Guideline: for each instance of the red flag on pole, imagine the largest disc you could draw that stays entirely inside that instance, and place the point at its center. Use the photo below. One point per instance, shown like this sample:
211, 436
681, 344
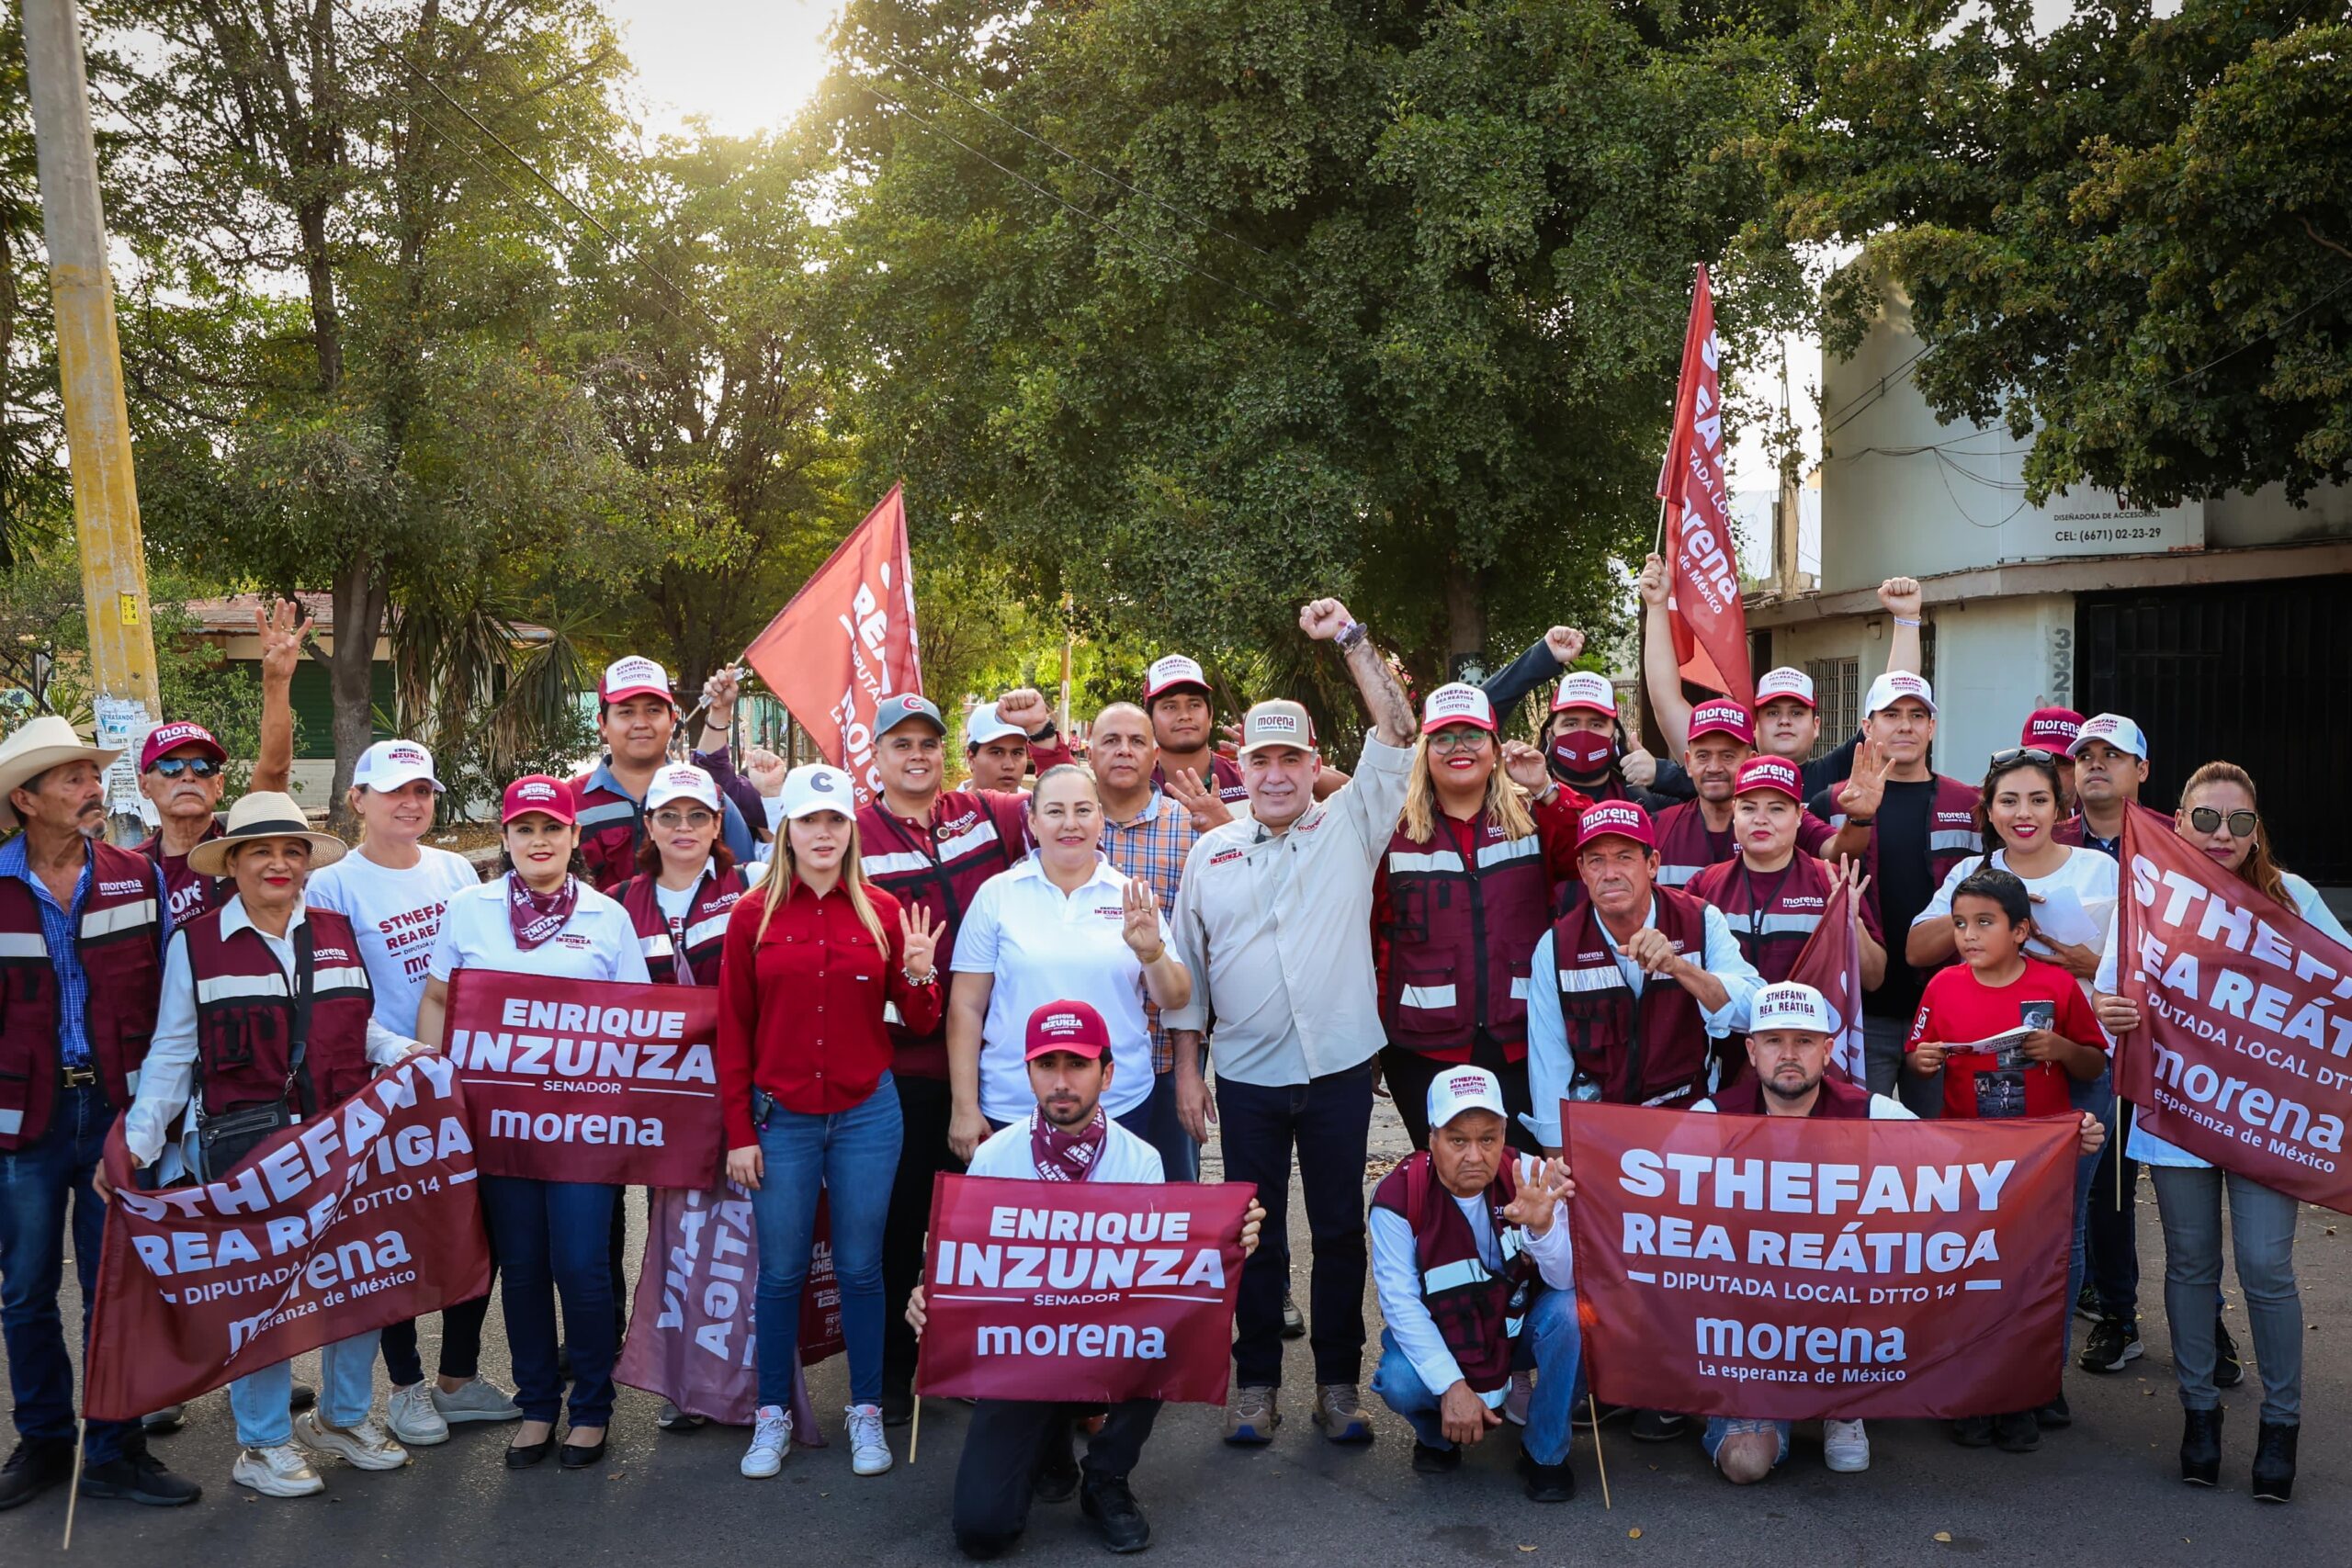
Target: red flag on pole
846, 641
1701, 547
1831, 963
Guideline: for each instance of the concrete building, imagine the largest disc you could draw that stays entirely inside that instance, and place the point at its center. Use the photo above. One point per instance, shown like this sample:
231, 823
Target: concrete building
2208, 623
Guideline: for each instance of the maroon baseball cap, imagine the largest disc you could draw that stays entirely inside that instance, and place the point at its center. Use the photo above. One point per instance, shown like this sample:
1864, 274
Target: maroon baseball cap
2051, 729
1771, 772
1068, 1026
1721, 715
166, 739
1622, 818
537, 791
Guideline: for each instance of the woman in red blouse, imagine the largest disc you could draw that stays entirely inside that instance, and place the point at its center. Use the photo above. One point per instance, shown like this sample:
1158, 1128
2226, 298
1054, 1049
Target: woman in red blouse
804, 1075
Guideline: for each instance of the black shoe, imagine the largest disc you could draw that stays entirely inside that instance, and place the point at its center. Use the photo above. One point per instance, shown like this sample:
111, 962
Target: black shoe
138, 1477
897, 1404
2274, 1463
2228, 1370
1590, 1413
1547, 1483
522, 1456
2086, 1304
2200, 1446
38, 1464
2017, 1432
303, 1397
1057, 1478
579, 1456
2054, 1415
1973, 1431
1657, 1426
1106, 1500
1294, 1322
1428, 1460
984, 1548
2113, 1345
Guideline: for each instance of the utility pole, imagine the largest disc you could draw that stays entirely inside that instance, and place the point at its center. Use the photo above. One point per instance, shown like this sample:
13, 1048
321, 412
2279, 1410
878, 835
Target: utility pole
98, 424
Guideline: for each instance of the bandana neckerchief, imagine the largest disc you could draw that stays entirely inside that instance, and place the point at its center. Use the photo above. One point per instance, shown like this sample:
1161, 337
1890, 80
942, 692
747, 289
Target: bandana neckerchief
535, 917
1067, 1156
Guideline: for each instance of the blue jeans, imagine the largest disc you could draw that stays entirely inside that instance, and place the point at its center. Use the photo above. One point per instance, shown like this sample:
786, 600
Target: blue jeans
851, 1157
1179, 1158
38, 1183
346, 1393
1550, 1341
552, 1236
1722, 1426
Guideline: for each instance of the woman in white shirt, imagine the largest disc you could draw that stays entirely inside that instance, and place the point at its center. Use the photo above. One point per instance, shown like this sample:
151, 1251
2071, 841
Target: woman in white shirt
393, 888
541, 918
231, 1070
2073, 889
2219, 815
1064, 923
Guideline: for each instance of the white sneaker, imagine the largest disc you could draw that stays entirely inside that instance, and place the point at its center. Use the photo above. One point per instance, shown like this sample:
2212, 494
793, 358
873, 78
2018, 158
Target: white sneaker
475, 1401
365, 1446
771, 1441
410, 1413
869, 1451
279, 1470
1846, 1447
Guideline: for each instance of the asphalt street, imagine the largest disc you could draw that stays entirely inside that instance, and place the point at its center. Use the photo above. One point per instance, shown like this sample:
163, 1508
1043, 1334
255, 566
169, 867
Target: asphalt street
2105, 1491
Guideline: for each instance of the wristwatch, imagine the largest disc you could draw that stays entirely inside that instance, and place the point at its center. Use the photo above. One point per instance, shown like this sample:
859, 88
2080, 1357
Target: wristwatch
1350, 634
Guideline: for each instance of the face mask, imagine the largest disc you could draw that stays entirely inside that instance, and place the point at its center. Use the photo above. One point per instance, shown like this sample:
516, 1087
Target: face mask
1583, 752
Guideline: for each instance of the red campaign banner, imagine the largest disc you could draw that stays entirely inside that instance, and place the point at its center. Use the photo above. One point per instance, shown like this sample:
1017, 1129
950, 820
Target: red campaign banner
691, 1334
365, 1216
1701, 545
1831, 963
2241, 1054
846, 641
1797, 1269
1081, 1291
589, 1081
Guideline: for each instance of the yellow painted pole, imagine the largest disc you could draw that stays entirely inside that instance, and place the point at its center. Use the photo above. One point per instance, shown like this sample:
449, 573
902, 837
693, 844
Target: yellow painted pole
98, 424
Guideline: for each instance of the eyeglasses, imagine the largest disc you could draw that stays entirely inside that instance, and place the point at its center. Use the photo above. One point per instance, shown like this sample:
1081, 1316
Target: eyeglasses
683, 819
195, 767
1458, 737
2205, 819
2025, 754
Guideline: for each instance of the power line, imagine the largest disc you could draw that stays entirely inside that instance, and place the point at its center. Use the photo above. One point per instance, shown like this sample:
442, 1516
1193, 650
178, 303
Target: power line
1885, 383
2270, 337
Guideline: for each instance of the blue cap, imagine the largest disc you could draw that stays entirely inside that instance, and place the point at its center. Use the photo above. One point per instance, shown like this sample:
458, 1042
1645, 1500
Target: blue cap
895, 711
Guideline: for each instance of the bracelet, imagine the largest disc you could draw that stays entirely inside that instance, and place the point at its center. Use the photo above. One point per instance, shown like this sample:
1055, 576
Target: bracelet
925, 978
1906, 621
1350, 634
1859, 821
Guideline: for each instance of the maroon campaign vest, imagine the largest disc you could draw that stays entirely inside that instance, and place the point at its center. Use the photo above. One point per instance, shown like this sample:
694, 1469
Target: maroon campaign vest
1477, 1313
244, 1015
974, 835
608, 824
1951, 838
1772, 916
1224, 775
122, 947
1837, 1100
1460, 937
1685, 848
706, 925
190, 893
1650, 1050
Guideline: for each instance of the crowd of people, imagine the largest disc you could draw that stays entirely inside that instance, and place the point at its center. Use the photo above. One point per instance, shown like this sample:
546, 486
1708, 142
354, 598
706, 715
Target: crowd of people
1087, 967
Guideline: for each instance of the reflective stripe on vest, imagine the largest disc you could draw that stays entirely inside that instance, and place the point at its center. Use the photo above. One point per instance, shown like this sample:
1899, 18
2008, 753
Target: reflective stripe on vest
96, 924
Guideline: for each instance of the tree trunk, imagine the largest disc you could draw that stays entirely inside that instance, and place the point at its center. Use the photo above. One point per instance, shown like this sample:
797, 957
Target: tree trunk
359, 601
1466, 623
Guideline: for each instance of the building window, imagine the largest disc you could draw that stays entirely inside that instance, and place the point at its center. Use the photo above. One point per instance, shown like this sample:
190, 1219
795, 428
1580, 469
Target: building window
1836, 699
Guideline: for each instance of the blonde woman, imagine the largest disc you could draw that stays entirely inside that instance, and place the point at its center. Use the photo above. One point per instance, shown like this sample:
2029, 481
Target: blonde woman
812, 963
1463, 892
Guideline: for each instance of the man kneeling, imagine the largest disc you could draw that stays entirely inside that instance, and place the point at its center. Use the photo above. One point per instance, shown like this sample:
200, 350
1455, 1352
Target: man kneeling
1471, 1257
1017, 1449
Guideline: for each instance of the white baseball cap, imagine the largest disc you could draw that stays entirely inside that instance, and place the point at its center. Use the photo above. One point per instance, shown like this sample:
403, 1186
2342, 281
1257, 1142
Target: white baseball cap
1785, 681
681, 781
1583, 689
982, 725
1458, 703
2113, 728
634, 676
1792, 1004
1169, 672
1458, 1089
1893, 686
388, 764
819, 786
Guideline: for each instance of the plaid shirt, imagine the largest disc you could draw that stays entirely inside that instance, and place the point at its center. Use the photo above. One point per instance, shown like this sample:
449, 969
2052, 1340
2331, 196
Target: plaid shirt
1153, 847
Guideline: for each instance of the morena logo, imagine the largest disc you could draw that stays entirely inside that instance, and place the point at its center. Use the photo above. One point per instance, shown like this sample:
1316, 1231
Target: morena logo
1276, 723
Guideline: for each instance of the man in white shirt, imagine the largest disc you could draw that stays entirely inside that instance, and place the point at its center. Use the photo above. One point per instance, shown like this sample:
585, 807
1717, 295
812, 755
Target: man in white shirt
1471, 1256
1274, 922
1018, 1450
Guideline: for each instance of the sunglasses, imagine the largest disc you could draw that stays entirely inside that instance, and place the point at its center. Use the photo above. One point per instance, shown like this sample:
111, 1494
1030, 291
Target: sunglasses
2205, 819
195, 767
683, 819
2025, 754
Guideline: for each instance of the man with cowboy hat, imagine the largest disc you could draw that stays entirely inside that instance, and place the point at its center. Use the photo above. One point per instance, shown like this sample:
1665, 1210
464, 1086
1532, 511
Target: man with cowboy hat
81, 930
291, 1030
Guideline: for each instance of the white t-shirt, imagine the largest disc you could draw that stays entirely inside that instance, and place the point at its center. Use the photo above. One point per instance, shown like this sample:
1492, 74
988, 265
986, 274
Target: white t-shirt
1124, 1156
2077, 899
676, 903
396, 915
599, 943
1042, 946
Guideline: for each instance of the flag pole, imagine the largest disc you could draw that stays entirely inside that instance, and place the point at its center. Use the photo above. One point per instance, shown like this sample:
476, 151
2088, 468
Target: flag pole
1592, 1408
914, 1437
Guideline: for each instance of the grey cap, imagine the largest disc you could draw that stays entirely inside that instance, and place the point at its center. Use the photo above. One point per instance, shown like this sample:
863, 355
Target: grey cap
895, 711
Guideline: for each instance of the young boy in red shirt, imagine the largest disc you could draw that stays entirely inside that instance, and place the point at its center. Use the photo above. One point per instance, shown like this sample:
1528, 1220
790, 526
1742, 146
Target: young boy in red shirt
2034, 1033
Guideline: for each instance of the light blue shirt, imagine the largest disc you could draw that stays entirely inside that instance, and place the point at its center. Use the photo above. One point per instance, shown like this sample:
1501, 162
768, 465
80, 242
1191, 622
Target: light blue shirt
58, 930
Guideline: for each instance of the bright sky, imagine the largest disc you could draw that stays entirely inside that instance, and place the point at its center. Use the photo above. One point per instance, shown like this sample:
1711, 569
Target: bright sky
744, 64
